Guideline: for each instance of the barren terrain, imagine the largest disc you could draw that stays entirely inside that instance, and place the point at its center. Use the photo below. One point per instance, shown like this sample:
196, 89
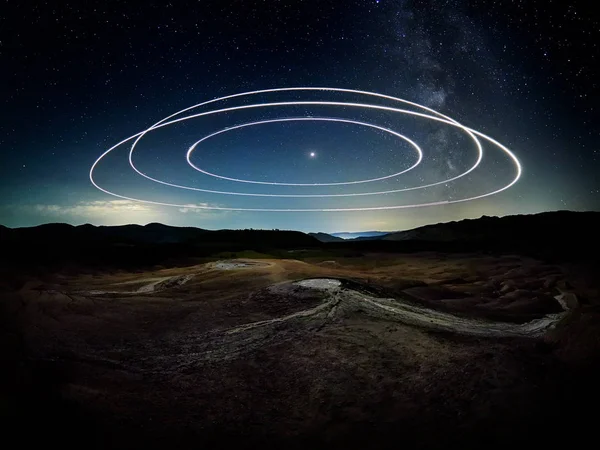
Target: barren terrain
423, 350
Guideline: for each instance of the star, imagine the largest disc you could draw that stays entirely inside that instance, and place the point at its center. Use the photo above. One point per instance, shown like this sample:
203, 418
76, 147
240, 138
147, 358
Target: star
312, 154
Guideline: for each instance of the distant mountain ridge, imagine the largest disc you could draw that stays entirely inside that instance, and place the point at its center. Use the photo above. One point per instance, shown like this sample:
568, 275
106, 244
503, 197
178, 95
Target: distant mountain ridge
134, 245
564, 233
152, 233
483, 228
347, 235
324, 237
557, 225
553, 235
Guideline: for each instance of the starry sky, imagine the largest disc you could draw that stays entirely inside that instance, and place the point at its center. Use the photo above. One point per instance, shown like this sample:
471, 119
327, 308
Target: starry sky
79, 77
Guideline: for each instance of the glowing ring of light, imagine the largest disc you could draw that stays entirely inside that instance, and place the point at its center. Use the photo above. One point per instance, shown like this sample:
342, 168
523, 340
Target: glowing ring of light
441, 118
162, 123
292, 119
325, 119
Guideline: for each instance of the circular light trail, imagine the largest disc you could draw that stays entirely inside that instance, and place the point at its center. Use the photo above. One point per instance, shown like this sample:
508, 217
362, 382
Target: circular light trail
262, 105
311, 154
473, 134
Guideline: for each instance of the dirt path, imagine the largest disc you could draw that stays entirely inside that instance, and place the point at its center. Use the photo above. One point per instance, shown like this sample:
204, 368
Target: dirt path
218, 335
150, 285
339, 302
343, 299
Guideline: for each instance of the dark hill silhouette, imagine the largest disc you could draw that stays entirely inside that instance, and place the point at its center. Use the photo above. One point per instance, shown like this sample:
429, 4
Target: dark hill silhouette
132, 245
554, 227
154, 233
324, 237
550, 235
350, 235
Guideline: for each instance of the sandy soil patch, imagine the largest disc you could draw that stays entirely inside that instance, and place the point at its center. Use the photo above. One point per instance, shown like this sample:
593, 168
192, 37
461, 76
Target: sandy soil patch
237, 264
148, 285
320, 283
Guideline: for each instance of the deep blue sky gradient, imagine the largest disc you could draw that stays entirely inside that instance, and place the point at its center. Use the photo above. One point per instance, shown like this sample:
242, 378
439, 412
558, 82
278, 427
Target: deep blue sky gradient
80, 76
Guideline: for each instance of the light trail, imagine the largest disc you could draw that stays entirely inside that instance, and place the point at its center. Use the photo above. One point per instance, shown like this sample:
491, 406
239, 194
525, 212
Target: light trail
439, 118
192, 148
318, 119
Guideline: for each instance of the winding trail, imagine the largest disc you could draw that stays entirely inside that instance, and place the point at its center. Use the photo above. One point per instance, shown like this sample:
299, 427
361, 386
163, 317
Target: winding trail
154, 285
344, 299
340, 302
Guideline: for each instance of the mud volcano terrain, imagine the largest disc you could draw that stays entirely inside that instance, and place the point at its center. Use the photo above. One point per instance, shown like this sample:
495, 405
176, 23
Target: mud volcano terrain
308, 350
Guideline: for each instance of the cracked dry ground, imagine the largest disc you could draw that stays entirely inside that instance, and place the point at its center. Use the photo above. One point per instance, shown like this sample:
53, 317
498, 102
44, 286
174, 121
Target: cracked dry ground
247, 358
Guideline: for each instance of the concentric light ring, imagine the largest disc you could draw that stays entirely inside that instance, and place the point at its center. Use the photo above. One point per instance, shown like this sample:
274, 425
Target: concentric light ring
439, 118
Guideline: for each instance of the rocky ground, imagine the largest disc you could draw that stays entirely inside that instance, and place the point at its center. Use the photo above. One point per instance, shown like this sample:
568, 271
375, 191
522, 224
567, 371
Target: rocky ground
425, 350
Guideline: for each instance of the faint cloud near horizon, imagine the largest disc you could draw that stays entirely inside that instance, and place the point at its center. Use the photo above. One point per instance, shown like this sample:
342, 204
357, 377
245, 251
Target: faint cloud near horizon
108, 212
201, 208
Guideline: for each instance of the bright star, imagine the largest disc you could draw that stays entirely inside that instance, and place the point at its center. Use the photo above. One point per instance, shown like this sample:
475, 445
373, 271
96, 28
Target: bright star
312, 154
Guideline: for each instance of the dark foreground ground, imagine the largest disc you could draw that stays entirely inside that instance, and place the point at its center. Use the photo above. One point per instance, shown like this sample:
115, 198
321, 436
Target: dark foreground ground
233, 354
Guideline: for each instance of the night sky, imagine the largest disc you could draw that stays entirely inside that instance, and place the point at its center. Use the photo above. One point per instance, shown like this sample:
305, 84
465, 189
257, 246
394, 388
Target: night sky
79, 77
